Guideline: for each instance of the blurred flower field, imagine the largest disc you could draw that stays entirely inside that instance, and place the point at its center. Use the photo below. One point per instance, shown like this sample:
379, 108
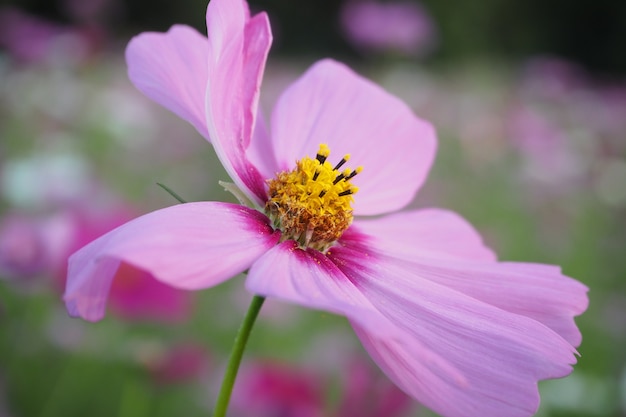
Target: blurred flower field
533, 156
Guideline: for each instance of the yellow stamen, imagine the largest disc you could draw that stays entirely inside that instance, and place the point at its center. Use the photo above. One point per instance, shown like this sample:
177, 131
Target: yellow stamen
343, 161
312, 203
323, 153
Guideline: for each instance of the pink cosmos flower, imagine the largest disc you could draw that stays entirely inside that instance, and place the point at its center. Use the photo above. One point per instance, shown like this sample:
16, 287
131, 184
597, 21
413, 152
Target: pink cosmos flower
459, 331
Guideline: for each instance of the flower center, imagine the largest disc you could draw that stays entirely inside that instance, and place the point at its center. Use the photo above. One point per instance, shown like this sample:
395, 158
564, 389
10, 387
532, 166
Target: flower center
312, 203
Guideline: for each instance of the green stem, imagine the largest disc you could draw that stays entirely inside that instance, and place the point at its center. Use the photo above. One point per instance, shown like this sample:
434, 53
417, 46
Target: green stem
172, 193
235, 356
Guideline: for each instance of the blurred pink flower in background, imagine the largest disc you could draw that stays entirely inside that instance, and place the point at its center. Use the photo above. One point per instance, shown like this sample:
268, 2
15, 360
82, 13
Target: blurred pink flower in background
366, 393
274, 389
545, 146
610, 120
459, 331
269, 389
136, 295
552, 77
567, 125
33, 39
32, 246
39, 245
92, 11
181, 363
401, 26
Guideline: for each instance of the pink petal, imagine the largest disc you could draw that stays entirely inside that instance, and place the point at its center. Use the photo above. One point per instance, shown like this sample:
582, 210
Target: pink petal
441, 247
171, 69
538, 291
189, 246
331, 104
309, 278
238, 48
259, 152
427, 233
495, 357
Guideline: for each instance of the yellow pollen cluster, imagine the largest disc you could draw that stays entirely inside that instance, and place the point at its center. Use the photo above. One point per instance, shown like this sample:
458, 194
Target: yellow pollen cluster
312, 203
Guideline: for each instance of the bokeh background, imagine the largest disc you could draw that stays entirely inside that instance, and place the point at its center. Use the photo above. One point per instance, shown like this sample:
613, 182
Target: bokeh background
529, 101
